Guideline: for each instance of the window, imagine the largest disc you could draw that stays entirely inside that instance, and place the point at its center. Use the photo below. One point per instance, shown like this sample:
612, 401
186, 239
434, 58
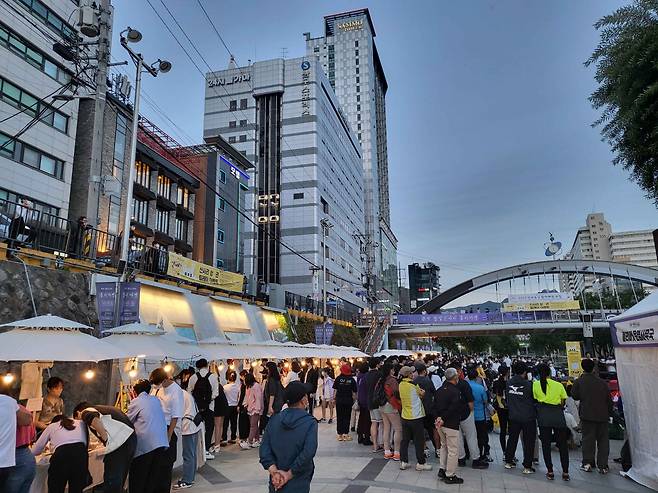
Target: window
140, 211
358, 127
164, 186
162, 221
357, 70
358, 117
219, 263
356, 52
356, 43
7, 146
243, 104
331, 48
233, 105
143, 174
359, 136
220, 235
316, 49
183, 197
231, 124
221, 204
357, 61
358, 80
33, 157
243, 138
49, 18
119, 146
30, 105
113, 215
297, 196
358, 98
243, 123
244, 153
222, 176
231, 139
31, 54
325, 206
181, 229
41, 207
358, 107
358, 88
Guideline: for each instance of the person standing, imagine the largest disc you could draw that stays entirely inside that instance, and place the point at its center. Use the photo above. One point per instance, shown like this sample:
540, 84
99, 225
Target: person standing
254, 405
243, 417
69, 463
173, 404
371, 379
412, 415
522, 417
116, 432
390, 412
146, 414
12, 419
190, 436
290, 442
424, 382
595, 410
345, 388
232, 391
52, 405
328, 394
23, 473
311, 378
204, 387
273, 394
550, 396
499, 387
467, 424
480, 404
448, 408
363, 425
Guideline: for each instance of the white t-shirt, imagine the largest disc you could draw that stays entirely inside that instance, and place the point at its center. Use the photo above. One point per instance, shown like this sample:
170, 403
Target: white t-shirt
232, 391
173, 402
188, 427
8, 408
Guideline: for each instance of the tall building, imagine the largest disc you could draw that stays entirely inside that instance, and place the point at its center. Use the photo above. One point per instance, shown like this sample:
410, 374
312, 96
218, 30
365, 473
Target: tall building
634, 247
284, 117
423, 283
37, 165
348, 55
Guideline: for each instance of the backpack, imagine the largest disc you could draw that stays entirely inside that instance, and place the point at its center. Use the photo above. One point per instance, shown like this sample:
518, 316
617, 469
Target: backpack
379, 397
202, 392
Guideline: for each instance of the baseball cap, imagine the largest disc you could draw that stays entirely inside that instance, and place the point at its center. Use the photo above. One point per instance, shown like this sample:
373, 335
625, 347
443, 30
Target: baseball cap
295, 392
406, 371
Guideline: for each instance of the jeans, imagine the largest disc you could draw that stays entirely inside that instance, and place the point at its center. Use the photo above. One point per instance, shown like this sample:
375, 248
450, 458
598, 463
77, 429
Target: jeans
117, 464
449, 450
189, 457
481, 428
595, 438
529, 429
467, 427
22, 474
413, 428
546, 435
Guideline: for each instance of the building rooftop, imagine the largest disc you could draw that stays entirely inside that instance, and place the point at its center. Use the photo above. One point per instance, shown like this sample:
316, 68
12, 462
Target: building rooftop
342, 15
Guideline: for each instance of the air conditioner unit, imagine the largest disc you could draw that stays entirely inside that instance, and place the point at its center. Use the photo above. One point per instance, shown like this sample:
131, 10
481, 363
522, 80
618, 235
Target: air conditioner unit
274, 219
262, 219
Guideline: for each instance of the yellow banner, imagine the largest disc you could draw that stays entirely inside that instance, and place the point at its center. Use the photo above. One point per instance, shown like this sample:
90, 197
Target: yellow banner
542, 306
193, 271
574, 357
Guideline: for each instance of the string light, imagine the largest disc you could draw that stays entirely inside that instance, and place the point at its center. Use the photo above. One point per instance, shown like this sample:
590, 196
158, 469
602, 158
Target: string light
286, 365
316, 362
221, 367
132, 373
168, 368
89, 374
303, 362
8, 378
231, 367
254, 364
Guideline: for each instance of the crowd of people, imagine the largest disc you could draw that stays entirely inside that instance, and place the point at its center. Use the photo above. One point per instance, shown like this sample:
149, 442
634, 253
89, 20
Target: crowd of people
446, 406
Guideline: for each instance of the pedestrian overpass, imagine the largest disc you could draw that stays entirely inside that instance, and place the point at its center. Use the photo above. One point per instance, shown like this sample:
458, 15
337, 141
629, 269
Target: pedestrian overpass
488, 329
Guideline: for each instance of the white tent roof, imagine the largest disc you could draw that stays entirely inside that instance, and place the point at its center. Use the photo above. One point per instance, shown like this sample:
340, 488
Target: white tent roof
648, 305
45, 322
152, 346
396, 352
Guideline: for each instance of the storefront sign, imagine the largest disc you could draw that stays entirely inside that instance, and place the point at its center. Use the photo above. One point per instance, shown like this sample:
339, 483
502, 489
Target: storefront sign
306, 89
354, 25
638, 332
128, 310
190, 270
574, 357
542, 306
226, 81
539, 297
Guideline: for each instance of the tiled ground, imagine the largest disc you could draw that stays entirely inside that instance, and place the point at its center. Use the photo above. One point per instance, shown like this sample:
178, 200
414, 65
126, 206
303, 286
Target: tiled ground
347, 467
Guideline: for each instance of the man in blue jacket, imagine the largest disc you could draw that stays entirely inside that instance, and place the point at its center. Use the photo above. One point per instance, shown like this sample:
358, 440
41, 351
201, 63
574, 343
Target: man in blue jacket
290, 442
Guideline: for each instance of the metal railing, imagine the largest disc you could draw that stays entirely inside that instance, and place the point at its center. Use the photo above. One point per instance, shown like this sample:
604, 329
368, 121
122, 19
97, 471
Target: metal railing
347, 311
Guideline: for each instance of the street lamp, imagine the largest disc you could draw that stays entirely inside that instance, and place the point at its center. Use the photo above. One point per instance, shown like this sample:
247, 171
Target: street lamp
130, 35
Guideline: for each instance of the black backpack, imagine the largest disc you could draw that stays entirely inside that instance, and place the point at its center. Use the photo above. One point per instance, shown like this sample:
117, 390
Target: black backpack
379, 394
202, 392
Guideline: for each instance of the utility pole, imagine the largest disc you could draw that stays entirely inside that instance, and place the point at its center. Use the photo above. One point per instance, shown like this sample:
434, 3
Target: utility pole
96, 168
326, 226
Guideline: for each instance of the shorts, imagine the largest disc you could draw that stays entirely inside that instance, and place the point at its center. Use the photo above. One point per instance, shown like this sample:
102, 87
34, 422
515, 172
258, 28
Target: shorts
375, 415
388, 409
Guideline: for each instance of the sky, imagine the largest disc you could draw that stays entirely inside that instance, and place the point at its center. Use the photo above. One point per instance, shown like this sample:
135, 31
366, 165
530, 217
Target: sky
490, 142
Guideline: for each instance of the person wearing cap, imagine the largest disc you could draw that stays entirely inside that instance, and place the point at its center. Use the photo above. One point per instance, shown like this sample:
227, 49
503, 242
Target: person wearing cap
424, 382
413, 414
290, 442
448, 408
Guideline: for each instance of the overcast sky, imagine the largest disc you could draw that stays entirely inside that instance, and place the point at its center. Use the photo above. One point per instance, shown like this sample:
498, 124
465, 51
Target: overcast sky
489, 139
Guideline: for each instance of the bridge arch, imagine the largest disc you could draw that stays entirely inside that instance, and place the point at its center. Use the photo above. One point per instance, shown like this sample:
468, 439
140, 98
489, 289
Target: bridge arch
638, 273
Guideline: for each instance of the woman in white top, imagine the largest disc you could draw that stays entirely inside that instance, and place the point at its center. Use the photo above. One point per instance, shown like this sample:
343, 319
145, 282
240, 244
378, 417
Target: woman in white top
293, 374
328, 394
68, 464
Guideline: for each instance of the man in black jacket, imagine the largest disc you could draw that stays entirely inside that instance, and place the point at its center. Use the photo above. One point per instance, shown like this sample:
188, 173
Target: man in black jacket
522, 417
448, 407
595, 408
372, 377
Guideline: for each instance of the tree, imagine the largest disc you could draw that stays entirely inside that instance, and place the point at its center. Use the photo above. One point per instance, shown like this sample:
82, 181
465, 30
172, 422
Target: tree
627, 74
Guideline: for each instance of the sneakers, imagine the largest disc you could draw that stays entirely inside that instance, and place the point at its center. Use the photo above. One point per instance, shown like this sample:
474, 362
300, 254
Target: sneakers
604, 470
214, 449
423, 467
586, 467
529, 470
232, 441
182, 485
209, 456
442, 473
348, 438
340, 438
388, 454
403, 466
255, 444
509, 465
396, 456
244, 445
453, 480
478, 464
330, 421
461, 462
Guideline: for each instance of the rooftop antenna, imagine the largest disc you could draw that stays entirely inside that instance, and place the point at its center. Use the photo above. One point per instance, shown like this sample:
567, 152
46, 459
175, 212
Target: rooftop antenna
284, 53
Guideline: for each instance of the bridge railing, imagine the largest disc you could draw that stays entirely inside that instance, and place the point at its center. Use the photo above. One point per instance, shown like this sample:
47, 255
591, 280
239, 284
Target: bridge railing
498, 317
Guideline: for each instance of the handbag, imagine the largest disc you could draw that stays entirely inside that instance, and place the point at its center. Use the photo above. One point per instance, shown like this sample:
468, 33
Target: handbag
551, 416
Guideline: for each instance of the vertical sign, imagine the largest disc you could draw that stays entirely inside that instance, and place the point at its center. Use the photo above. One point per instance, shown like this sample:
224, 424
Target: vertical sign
128, 304
105, 294
306, 90
574, 357
324, 333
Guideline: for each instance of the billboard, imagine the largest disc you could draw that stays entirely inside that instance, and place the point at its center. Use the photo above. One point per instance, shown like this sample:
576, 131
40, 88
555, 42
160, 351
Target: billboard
190, 270
539, 297
542, 306
574, 357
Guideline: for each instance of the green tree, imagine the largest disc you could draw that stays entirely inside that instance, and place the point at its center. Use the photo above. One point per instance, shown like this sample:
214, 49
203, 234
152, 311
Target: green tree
627, 74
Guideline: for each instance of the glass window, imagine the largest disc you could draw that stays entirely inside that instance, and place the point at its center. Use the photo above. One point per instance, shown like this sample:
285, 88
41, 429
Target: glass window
183, 197
50, 68
10, 91
222, 176
220, 235
48, 164
233, 105
231, 124
140, 211
299, 195
243, 138
243, 104
31, 157
17, 45
40, 10
164, 186
7, 146
356, 44
316, 49
181, 229
219, 263
143, 174
232, 140
113, 215
162, 221
221, 204
60, 121
243, 123
4, 34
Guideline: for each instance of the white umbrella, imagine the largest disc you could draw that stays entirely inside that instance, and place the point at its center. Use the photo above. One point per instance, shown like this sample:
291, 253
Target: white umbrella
45, 322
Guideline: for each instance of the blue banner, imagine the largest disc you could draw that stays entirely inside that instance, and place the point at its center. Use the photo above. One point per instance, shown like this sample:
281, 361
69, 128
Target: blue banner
128, 304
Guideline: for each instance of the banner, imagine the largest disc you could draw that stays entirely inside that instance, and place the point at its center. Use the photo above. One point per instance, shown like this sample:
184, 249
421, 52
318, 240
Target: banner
636, 332
574, 357
442, 318
105, 296
190, 270
324, 334
128, 310
539, 297
542, 306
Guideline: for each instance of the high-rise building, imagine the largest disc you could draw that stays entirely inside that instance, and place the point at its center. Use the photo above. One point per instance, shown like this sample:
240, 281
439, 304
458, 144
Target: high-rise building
37, 165
348, 55
283, 115
634, 247
423, 283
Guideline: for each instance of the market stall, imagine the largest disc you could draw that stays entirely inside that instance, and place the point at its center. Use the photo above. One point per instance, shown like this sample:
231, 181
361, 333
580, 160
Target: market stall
635, 337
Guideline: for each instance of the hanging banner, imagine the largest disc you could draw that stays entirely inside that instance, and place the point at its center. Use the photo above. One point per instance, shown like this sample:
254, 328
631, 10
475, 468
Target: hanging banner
324, 333
574, 357
539, 297
105, 296
128, 303
190, 270
128, 310
542, 306
639, 331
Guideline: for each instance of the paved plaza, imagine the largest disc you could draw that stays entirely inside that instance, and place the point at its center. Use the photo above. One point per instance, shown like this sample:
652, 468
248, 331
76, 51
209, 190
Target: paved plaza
347, 467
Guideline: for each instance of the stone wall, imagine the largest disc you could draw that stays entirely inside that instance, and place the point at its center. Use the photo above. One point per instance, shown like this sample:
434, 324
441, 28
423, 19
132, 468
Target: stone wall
65, 294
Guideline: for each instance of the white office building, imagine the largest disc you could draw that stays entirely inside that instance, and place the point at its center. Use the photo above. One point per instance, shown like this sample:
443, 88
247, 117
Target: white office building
284, 117
634, 247
348, 55
38, 164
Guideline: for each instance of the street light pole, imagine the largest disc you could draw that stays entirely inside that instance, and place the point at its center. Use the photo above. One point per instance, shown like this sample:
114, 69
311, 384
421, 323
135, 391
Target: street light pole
326, 225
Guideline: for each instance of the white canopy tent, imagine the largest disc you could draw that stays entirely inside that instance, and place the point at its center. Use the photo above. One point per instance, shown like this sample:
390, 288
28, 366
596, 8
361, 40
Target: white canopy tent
148, 341
51, 338
396, 352
635, 336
